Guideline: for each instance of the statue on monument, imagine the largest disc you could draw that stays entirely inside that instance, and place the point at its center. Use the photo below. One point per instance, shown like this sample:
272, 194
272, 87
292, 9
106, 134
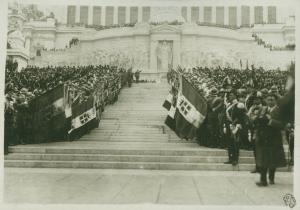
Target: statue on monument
164, 56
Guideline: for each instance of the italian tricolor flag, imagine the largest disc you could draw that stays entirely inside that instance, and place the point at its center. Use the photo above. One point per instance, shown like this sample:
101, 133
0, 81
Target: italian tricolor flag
191, 110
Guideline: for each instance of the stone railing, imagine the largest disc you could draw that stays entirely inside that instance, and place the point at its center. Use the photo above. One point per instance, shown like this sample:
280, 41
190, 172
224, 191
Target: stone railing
101, 27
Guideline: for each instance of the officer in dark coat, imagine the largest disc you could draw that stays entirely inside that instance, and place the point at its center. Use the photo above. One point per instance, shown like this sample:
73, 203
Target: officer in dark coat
268, 141
255, 107
212, 118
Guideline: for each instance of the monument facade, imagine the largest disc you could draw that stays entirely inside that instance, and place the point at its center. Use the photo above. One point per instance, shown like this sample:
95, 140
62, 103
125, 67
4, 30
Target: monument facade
155, 39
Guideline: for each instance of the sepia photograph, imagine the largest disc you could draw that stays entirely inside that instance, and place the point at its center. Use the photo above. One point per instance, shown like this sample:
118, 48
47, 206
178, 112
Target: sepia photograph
165, 102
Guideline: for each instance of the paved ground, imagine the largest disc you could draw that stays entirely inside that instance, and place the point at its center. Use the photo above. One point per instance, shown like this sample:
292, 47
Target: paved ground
93, 186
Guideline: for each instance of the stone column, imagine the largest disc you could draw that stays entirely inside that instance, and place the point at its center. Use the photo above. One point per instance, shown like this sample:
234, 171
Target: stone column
103, 15
116, 11
27, 45
140, 14
176, 53
90, 15
252, 18
65, 15
238, 16
189, 14
77, 14
127, 14
226, 16
213, 14
278, 15
150, 13
265, 14
201, 14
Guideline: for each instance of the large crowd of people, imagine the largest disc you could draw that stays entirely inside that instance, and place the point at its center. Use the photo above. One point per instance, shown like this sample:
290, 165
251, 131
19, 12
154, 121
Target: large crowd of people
244, 113
21, 88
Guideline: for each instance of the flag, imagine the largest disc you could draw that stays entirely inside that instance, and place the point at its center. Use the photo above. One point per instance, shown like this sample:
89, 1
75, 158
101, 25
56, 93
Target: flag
48, 116
83, 119
168, 102
191, 110
170, 121
82, 113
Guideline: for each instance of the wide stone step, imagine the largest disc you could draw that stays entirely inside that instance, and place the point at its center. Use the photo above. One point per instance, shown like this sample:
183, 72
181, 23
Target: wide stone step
124, 134
130, 165
126, 137
118, 139
123, 150
122, 122
124, 130
124, 158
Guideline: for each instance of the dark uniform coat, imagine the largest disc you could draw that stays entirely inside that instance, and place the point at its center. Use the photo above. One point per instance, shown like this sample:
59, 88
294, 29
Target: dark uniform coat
268, 141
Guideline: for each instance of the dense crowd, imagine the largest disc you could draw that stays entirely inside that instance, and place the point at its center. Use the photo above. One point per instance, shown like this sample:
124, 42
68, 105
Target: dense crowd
238, 110
241, 80
21, 88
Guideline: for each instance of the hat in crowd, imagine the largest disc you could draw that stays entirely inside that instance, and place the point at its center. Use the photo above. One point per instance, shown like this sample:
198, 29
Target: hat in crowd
264, 91
272, 94
226, 82
24, 90
213, 92
240, 105
274, 89
258, 94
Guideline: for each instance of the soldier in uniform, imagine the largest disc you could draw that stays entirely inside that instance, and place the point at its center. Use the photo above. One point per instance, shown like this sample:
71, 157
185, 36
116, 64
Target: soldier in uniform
230, 101
212, 119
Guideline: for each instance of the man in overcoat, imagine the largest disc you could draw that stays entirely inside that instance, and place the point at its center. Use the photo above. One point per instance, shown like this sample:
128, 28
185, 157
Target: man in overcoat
268, 141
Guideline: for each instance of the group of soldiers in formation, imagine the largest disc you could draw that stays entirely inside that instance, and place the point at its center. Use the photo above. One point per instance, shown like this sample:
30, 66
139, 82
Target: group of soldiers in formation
24, 86
243, 113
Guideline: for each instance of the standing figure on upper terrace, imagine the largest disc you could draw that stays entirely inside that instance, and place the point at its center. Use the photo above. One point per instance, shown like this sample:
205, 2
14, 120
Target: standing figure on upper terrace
164, 56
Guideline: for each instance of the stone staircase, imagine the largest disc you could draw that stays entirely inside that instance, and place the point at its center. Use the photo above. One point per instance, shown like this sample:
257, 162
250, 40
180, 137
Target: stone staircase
131, 135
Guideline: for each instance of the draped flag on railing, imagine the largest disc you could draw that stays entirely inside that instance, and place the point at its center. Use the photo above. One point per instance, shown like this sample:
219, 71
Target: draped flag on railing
191, 110
168, 102
48, 114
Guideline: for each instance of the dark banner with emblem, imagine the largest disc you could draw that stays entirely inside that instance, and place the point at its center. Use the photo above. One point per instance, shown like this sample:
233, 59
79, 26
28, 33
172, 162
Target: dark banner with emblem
48, 115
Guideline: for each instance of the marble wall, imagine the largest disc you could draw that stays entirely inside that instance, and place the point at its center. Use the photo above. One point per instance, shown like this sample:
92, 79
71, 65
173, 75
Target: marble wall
193, 46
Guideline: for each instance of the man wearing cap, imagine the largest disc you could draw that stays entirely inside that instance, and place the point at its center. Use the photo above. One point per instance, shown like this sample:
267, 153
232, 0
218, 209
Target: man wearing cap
212, 118
230, 101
